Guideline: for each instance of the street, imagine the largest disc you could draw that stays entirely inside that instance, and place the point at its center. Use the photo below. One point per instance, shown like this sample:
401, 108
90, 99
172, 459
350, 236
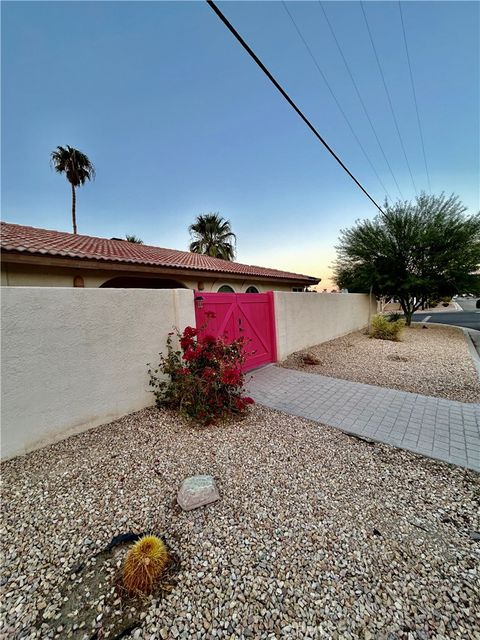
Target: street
469, 317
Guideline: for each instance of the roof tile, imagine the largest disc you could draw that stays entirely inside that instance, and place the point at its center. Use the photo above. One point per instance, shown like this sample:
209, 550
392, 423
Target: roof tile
15, 238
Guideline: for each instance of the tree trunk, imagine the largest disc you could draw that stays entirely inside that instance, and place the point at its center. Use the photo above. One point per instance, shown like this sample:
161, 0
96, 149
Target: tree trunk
407, 309
74, 207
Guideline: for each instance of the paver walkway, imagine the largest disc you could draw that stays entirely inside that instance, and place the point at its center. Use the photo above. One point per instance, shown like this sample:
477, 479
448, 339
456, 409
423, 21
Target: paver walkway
434, 427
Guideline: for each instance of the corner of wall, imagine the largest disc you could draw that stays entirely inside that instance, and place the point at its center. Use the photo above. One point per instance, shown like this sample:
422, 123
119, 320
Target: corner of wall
184, 308
279, 319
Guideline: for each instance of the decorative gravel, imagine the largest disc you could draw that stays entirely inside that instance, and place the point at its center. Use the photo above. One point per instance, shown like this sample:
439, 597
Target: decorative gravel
434, 361
316, 535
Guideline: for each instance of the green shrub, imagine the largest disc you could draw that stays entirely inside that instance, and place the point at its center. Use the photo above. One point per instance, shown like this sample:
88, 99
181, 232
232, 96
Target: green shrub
203, 379
395, 316
384, 329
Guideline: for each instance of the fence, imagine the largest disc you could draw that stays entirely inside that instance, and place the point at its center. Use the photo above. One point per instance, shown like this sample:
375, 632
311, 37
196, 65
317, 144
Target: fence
305, 319
76, 358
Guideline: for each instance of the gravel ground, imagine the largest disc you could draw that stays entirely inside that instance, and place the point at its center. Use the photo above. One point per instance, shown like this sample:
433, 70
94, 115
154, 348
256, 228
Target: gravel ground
317, 534
433, 362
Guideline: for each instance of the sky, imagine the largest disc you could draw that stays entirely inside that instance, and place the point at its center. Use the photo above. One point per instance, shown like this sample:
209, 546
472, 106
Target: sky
178, 120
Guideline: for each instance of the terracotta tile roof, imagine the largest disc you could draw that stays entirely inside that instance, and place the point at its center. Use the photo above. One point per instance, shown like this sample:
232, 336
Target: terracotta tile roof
15, 238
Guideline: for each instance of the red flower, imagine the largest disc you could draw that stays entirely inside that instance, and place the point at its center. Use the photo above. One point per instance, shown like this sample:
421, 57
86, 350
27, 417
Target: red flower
231, 375
248, 400
192, 354
240, 404
208, 373
190, 332
186, 343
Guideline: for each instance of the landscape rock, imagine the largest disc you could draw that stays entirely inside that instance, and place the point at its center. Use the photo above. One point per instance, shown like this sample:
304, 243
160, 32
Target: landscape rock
197, 491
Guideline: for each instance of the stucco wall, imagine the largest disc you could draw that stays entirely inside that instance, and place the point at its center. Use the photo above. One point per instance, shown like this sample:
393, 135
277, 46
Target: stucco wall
26, 275
306, 319
75, 358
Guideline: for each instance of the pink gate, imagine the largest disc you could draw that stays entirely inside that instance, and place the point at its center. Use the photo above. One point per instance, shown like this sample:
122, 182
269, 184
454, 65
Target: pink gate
250, 315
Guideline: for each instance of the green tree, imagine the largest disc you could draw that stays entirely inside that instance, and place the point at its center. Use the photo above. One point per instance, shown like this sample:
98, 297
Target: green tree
414, 251
77, 168
131, 237
212, 235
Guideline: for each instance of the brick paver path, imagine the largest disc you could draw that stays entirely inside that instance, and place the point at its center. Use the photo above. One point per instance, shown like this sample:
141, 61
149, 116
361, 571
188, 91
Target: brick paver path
434, 427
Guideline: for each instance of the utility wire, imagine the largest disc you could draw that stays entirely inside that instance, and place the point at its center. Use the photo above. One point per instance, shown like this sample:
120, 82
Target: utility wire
315, 61
359, 95
414, 96
388, 96
232, 29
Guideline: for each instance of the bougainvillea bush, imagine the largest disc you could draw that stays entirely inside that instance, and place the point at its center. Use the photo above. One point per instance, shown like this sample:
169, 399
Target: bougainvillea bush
204, 378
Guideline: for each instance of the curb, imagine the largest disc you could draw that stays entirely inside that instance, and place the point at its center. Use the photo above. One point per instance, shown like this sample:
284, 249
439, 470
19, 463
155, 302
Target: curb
473, 351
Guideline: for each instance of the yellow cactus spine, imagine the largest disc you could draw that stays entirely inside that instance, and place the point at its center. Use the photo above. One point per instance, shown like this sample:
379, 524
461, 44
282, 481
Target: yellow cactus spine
145, 561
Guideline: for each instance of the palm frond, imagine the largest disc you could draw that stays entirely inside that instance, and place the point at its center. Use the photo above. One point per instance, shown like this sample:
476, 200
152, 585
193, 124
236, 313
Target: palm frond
76, 165
131, 237
212, 235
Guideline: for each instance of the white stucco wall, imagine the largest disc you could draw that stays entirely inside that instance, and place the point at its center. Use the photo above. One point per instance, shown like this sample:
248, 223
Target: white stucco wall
76, 358
306, 319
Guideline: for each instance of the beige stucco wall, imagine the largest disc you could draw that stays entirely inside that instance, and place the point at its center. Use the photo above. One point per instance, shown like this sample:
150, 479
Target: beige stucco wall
26, 275
306, 319
76, 358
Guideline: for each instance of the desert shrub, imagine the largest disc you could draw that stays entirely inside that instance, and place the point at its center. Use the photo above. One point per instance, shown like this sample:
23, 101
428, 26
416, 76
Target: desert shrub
145, 562
446, 299
383, 329
204, 378
395, 316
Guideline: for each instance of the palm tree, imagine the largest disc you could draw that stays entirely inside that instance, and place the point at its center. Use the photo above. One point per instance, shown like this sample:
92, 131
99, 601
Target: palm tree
212, 235
131, 237
77, 168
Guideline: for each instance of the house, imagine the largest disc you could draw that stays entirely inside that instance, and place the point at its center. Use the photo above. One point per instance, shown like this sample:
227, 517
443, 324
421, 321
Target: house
43, 258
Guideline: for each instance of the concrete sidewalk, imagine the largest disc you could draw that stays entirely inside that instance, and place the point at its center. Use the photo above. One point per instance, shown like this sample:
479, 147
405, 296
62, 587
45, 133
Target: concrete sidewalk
434, 427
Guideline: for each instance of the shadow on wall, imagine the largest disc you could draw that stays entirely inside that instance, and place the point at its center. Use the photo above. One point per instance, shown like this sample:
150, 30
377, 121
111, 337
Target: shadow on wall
127, 282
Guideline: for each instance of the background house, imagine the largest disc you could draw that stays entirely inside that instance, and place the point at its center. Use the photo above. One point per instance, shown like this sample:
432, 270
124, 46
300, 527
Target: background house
42, 258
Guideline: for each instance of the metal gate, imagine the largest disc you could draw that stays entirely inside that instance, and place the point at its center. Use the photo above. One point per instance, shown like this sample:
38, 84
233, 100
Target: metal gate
233, 315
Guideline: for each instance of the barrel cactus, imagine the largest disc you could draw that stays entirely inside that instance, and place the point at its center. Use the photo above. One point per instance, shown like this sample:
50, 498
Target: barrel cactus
145, 561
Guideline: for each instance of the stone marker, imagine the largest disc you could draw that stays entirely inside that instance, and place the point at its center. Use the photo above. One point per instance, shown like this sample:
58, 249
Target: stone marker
197, 491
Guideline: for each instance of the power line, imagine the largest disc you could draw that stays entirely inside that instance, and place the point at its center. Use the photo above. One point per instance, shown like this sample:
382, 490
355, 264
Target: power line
315, 61
414, 96
232, 29
388, 96
359, 95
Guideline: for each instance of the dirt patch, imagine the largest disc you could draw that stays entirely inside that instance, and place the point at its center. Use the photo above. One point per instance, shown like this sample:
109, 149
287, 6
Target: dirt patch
94, 602
434, 361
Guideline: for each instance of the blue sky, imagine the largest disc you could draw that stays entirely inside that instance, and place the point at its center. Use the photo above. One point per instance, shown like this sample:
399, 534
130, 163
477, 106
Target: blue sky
178, 120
